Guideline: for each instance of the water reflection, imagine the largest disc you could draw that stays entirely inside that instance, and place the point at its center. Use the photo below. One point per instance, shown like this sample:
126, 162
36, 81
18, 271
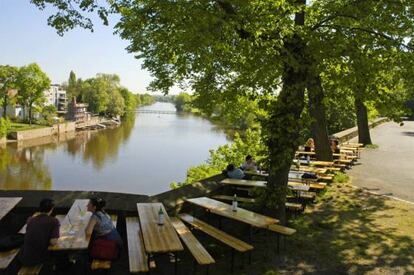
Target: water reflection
144, 155
24, 169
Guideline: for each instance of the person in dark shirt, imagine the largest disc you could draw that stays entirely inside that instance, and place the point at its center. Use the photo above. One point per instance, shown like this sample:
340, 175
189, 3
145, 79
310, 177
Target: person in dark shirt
42, 230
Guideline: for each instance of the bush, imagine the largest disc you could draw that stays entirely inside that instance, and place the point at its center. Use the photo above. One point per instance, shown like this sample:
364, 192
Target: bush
340, 177
249, 144
4, 126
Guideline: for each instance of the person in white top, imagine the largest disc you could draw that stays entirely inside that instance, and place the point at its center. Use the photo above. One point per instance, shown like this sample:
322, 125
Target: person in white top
249, 164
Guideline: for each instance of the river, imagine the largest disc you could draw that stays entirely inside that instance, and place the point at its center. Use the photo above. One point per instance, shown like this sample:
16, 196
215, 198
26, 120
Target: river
142, 156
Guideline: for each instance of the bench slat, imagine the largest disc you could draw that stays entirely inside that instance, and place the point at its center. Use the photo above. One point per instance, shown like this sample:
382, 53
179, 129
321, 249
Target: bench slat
138, 259
282, 229
7, 257
30, 270
196, 248
222, 236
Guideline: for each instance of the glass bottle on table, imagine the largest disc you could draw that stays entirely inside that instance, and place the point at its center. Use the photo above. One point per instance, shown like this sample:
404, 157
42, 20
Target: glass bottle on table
160, 217
234, 203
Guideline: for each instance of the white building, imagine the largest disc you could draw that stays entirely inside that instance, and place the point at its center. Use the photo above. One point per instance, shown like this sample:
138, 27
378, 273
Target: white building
56, 96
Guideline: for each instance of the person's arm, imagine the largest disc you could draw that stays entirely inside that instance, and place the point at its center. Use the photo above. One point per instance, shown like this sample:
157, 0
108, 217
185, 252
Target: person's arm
55, 232
90, 227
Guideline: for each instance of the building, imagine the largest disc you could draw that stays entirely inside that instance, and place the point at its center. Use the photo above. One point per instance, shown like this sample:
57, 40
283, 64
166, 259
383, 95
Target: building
56, 96
77, 111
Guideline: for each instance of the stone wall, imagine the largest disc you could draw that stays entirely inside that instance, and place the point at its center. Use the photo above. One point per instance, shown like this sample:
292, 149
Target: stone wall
42, 132
350, 133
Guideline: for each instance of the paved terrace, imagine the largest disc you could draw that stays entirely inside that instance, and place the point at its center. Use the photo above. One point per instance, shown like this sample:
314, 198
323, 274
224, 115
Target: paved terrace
389, 169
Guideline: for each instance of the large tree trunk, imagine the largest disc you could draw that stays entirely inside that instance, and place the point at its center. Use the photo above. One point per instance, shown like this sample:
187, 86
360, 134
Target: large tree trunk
283, 127
317, 113
362, 121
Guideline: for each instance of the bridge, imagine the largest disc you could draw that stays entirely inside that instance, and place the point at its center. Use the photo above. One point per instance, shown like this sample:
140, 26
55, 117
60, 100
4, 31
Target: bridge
140, 111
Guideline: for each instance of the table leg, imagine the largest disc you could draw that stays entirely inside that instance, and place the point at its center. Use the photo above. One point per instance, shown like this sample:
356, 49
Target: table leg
175, 263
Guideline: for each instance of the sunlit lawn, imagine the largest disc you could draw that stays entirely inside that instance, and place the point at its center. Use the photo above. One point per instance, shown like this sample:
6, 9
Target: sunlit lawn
16, 126
347, 231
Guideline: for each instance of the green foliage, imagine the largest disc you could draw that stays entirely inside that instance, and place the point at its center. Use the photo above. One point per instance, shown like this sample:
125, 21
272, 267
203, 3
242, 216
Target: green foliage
48, 114
130, 99
371, 146
73, 87
31, 83
340, 177
145, 99
8, 80
4, 126
235, 152
182, 102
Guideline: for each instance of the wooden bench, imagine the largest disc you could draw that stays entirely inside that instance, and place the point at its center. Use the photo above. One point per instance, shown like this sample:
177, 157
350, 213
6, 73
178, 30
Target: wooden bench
234, 243
281, 230
290, 206
104, 264
34, 270
138, 258
294, 206
194, 246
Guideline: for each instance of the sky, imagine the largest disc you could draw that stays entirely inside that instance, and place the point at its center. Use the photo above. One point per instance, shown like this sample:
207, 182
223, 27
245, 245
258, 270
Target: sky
25, 38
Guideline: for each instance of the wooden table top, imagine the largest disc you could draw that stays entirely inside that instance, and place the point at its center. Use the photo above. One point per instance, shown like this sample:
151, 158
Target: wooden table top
7, 204
298, 186
72, 228
157, 238
224, 209
248, 183
310, 169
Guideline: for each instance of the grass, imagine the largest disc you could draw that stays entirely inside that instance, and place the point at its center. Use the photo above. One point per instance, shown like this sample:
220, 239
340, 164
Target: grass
347, 231
17, 126
371, 146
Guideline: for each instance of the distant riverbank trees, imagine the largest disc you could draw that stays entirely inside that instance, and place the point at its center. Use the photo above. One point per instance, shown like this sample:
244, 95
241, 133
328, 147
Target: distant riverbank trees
105, 95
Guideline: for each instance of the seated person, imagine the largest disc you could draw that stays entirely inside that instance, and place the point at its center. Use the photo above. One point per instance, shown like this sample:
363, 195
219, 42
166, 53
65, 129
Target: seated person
100, 225
233, 172
335, 146
310, 145
249, 164
42, 230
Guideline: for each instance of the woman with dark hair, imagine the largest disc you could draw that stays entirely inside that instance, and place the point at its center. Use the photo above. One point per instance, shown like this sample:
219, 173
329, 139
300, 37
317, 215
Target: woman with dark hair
100, 225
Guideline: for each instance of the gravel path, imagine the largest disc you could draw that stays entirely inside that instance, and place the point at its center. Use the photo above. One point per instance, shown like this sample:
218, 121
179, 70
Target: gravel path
389, 169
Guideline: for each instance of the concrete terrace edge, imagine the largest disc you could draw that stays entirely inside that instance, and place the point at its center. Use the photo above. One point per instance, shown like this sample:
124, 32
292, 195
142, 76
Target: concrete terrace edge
115, 202
350, 133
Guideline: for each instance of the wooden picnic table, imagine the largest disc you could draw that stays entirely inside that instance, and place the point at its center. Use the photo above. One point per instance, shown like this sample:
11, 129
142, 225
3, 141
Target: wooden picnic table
157, 238
246, 183
225, 210
310, 169
72, 228
298, 186
7, 204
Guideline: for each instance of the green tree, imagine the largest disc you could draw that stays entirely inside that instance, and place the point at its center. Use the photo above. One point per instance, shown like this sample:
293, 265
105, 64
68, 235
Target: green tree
260, 47
74, 86
129, 98
97, 92
116, 105
8, 79
31, 84
4, 126
182, 102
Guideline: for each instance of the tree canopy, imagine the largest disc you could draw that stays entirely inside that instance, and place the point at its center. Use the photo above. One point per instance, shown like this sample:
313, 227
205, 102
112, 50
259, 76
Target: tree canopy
269, 47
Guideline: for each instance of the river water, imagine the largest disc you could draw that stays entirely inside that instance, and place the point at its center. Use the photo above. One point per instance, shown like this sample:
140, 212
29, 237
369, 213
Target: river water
143, 155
